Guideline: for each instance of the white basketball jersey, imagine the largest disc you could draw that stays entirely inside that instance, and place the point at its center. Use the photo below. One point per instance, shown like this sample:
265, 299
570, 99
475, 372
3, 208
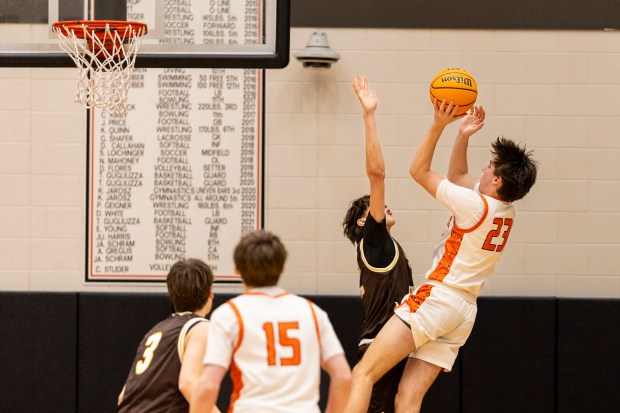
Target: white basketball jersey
465, 258
274, 343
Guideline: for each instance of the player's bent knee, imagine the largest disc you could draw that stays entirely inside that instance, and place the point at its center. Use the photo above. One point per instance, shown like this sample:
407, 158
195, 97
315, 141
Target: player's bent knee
360, 372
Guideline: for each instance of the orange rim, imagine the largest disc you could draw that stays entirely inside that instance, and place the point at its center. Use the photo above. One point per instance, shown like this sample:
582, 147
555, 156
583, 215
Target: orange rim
97, 27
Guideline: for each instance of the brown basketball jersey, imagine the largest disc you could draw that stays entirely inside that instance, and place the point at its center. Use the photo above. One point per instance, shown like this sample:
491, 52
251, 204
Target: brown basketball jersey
153, 382
381, 288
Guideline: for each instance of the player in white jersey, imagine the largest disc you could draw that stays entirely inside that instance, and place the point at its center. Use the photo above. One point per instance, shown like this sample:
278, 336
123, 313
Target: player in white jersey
274, 342
434, 322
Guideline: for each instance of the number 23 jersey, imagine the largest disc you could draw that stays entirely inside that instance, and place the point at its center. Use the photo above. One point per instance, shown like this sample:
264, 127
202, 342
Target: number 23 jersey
475, 239
274, 343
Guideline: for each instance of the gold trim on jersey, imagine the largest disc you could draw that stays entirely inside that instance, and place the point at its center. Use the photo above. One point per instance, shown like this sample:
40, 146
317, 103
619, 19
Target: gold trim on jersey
181, 341
386, 269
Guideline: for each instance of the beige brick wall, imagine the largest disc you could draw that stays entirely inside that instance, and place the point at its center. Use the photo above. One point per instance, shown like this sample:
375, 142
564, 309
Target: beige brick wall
555, 91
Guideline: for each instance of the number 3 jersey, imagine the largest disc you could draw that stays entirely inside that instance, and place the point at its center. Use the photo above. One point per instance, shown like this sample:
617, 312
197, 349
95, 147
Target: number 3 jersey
153, 382
274, 343
475, 239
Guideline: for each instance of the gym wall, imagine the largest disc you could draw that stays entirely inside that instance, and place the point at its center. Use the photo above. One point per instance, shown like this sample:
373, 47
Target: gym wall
553, 90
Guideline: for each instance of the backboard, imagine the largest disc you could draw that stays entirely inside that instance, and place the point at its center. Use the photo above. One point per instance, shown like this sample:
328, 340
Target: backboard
181, 33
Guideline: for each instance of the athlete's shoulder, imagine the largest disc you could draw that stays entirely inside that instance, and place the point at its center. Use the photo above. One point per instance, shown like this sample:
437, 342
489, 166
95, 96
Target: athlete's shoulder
196, 321
450, 188
316, 309
225, 309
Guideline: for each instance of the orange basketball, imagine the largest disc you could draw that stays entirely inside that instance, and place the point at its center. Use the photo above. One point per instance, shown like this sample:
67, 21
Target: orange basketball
455, 85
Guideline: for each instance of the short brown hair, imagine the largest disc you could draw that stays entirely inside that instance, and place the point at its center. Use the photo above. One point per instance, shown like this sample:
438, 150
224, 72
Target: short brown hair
259, 258
189, 284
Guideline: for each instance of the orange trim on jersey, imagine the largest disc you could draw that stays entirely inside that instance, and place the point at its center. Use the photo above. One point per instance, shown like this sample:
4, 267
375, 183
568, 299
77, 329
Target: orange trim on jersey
316, 322
237, 385
235, 372
240, 322
282, 294
486, 212
414, 301
451, 248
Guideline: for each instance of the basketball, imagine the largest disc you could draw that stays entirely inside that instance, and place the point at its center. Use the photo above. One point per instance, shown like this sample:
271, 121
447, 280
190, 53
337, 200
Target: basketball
455, 85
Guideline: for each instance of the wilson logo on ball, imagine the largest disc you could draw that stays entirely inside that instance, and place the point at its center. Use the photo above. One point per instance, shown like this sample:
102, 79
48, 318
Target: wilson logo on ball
454, 85
458, 79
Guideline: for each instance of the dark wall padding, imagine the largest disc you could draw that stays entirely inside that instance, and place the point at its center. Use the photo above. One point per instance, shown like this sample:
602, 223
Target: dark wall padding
444, 396
345, 314
38, 336
476, 14
71, 352
588, 356
508, 363
110, 329
447, 14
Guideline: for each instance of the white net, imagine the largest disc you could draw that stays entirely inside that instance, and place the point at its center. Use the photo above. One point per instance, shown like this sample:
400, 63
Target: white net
105, 59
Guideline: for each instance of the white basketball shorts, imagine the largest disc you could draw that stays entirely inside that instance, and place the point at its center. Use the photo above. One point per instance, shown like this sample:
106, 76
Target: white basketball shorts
441, 319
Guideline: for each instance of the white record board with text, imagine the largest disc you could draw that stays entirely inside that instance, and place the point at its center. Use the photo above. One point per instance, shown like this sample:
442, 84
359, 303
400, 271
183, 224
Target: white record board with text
181, 174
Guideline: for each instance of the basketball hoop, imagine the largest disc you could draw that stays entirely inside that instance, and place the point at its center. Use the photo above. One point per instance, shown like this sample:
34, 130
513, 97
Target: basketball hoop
104, 52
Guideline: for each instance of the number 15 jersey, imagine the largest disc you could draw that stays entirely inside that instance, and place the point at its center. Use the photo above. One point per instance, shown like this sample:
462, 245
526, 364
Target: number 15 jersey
274, 343
476, 237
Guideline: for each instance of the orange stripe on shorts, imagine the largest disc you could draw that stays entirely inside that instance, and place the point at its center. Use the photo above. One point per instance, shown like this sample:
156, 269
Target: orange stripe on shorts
414, 301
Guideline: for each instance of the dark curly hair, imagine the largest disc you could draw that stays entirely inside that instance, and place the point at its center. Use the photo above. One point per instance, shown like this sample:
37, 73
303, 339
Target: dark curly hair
356, 211
516, 166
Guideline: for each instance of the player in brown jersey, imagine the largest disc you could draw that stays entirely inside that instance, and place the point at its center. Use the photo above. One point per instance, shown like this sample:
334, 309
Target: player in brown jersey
385, 273
168, 361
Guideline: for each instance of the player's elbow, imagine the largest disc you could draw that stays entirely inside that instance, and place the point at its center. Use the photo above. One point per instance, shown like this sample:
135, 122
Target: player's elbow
452, 177
342, 376
417, 173
208, 387
203, 391
339, 371
186, 387
341, 382
346, 381
376, 173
